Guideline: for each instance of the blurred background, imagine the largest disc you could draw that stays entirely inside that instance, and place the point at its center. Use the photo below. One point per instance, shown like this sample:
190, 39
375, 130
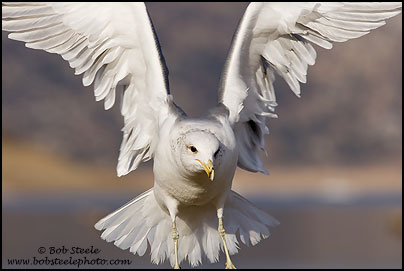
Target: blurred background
335, 155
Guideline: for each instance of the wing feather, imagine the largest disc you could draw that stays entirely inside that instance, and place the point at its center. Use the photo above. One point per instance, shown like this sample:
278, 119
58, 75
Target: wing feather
275, 38
112, 45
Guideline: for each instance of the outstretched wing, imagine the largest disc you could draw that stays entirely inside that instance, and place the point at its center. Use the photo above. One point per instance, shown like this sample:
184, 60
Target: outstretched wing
275, 38
112, 45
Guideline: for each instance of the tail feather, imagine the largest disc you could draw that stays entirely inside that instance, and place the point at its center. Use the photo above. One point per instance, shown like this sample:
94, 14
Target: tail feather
195, 257
159, 249
117, 231
141, 222
122, 213
211, 246
140, 241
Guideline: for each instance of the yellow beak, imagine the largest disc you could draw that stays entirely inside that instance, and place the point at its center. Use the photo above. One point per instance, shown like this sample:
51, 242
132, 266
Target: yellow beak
208, 169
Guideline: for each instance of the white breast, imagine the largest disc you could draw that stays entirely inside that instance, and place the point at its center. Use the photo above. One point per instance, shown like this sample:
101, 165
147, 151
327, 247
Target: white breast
195, 189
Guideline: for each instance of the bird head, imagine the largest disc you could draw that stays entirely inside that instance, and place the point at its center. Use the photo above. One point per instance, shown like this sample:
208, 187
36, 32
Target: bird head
199, 152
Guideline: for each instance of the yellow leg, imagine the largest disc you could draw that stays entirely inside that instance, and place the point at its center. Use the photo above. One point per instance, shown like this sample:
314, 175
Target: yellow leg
222, 232
175, 236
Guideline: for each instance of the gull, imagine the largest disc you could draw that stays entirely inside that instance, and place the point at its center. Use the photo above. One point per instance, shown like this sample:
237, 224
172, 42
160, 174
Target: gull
191, 213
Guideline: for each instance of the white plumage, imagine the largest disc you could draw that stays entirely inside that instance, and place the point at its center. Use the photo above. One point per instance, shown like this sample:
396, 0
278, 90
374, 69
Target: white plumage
142, 220
275, 38
113, 46
186, 215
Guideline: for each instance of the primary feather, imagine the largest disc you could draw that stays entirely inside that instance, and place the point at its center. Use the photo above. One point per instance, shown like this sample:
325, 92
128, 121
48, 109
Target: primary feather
276, 39
113, 46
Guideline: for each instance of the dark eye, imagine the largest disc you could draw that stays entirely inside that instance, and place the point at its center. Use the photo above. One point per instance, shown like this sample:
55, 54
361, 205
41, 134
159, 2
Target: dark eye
193, 149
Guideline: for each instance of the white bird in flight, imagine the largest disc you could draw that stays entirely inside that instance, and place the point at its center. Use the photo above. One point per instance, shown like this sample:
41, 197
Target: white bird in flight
191, 212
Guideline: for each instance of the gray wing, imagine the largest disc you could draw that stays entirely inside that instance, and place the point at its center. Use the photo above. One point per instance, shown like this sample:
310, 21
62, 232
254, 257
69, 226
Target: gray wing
275, 38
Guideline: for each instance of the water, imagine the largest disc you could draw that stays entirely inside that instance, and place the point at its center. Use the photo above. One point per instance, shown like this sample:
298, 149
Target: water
362, 232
